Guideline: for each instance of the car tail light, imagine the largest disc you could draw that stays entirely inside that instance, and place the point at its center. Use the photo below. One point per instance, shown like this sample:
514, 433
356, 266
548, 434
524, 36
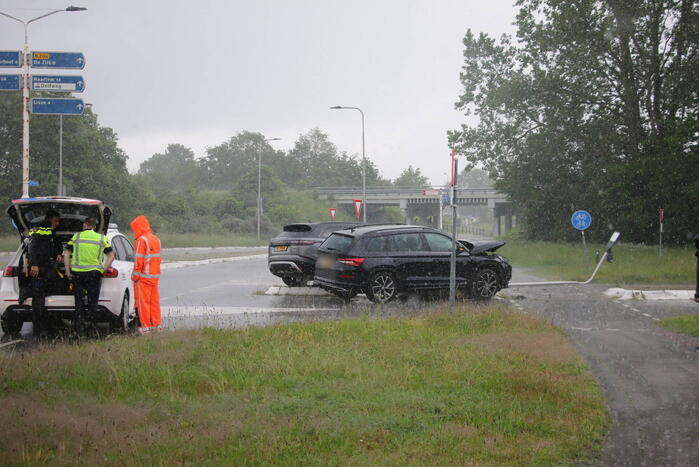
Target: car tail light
10, 271
356, 262
110, 272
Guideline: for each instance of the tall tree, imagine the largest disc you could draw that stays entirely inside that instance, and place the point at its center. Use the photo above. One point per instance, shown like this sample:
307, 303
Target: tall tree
174, 170
412, 178
228, 162
595, 107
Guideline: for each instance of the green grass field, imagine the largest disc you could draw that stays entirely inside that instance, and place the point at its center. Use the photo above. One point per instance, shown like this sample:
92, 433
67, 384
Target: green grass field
479, 386
688, 324
632, 264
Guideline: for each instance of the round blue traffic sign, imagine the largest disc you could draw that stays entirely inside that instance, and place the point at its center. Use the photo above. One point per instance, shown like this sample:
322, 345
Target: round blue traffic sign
581, 220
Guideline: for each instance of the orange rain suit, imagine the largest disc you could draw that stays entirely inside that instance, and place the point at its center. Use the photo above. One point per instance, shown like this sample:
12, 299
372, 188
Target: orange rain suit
146, 273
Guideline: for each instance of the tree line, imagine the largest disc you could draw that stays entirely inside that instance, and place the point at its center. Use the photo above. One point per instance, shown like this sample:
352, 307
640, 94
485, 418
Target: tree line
594, 105
178, 191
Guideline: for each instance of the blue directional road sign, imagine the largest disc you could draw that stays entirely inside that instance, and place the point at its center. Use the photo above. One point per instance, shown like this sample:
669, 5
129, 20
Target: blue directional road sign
10, 82
581, 220
58, 83
74, 60
44, 106
33, 183
10, 59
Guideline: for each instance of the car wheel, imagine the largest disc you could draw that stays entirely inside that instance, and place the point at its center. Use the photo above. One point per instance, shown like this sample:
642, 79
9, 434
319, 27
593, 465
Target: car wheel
11, 326
382, 287
486, 284
123, 322
293, 281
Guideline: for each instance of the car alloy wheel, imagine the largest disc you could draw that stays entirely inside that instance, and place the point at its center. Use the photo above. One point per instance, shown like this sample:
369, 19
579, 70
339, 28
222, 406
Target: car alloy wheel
382, 287
486, 284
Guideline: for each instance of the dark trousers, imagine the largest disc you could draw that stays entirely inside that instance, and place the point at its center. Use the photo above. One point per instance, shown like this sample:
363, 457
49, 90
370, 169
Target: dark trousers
38, 294
85, 284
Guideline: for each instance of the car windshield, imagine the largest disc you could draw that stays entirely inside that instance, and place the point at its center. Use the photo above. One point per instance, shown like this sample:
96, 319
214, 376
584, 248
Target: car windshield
337, 242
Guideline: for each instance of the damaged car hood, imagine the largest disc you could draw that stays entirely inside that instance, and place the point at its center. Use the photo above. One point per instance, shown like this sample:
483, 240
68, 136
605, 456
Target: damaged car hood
482, 246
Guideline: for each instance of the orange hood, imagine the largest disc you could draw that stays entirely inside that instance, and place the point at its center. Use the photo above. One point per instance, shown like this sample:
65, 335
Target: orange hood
140, 226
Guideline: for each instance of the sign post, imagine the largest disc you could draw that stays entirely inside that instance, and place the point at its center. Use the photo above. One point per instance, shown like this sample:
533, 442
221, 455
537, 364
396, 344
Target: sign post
582, 220
357, 208
661, 215
333, 212
452, 265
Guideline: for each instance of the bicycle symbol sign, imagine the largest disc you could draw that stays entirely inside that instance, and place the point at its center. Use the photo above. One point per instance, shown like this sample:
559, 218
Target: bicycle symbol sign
581, 220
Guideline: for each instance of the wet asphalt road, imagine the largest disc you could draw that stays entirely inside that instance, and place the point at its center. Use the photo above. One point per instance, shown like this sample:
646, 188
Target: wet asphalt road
649, 375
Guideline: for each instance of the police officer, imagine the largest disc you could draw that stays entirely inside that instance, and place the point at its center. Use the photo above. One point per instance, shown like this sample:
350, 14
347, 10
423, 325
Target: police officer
84, 260
43, 252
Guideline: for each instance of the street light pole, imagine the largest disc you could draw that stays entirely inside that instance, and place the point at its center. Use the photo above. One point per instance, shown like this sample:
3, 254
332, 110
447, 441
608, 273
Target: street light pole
25, 93
259, 185
339, 107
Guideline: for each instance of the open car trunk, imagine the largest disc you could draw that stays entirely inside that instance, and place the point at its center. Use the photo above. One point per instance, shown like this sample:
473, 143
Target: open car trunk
29, 213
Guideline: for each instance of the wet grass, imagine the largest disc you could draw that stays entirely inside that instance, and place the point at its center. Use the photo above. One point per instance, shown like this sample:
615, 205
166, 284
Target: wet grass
688, 324
479, 386
633, 264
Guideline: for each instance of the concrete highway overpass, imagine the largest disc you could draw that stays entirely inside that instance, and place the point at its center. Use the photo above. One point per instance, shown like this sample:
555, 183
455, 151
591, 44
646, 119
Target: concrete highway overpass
423, 206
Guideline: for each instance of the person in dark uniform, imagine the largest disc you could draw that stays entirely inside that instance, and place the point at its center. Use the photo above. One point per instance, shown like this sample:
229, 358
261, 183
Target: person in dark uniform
85, 262
43, 252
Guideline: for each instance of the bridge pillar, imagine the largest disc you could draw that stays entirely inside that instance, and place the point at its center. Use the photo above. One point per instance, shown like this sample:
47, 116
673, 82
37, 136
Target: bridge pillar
496, 217
404, 211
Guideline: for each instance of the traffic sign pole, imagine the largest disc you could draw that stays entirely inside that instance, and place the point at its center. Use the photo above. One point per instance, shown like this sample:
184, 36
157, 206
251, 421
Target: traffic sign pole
25, 119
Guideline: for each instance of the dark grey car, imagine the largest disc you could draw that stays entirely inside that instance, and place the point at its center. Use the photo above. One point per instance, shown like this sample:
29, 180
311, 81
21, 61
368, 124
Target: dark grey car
292, 253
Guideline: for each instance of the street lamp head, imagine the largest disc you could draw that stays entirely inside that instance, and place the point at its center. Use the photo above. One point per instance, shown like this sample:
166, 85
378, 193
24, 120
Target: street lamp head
336, 107
75, 8
272, 139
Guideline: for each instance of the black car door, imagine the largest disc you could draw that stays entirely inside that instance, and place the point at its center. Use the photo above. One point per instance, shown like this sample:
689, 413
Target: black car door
440, 249
414, 261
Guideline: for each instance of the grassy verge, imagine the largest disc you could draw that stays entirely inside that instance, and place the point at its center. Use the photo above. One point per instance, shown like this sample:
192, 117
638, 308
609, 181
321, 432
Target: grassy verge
688, 324
632, 264
480, 386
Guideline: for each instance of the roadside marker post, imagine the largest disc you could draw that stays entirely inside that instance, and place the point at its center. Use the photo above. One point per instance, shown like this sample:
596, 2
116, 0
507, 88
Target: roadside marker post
581, 220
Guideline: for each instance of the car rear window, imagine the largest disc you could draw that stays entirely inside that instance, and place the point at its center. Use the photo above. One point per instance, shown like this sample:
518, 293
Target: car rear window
297, 231
337, 242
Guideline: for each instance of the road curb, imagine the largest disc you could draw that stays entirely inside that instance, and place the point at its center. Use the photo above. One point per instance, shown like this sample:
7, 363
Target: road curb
627, 294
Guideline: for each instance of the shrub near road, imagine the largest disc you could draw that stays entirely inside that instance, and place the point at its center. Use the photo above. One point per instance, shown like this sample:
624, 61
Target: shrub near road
475, 386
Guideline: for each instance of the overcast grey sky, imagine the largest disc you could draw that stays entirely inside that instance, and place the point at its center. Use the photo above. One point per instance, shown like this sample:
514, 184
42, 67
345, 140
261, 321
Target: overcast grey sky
197, 72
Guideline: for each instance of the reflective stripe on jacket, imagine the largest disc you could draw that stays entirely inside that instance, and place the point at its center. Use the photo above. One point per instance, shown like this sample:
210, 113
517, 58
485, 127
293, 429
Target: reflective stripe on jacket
88, 251
147, 261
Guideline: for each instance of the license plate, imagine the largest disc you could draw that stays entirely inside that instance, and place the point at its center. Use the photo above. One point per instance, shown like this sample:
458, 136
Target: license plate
281, 248
325, 261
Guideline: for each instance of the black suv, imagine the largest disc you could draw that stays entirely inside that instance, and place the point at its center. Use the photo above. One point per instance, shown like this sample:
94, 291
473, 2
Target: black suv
292, 253
382, 261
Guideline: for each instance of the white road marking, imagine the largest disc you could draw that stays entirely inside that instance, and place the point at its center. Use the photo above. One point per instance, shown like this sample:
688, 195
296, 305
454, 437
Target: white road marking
625, 294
